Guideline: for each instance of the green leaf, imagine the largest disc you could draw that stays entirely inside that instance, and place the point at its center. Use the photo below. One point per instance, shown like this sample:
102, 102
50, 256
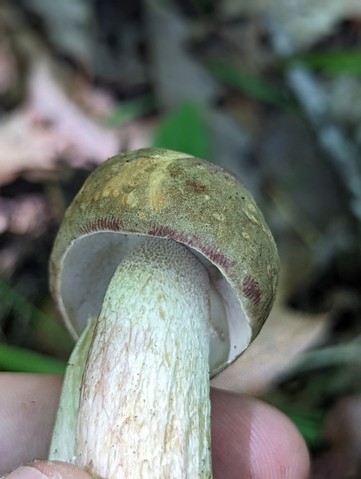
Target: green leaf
184, 130
331, 62
17, 359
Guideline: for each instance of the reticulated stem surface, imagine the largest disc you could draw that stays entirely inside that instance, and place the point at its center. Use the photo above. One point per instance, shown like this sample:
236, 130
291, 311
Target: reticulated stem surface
144, 405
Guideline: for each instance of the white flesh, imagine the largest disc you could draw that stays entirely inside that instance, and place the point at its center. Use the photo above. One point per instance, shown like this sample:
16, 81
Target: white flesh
144, 406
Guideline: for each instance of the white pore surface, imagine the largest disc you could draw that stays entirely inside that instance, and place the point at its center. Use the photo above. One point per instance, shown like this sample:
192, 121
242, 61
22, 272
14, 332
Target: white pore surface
89, 265
145, 408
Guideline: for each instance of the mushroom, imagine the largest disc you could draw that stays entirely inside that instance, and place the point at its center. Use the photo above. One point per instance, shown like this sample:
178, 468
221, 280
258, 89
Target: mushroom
164, 270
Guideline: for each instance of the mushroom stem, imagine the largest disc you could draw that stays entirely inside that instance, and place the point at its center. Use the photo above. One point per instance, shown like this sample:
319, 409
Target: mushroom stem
144, 408
64, 434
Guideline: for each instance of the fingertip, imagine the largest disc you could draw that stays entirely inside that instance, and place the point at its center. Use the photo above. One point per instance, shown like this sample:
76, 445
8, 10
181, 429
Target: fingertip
48, 470
253, 439
24, 472
278, 442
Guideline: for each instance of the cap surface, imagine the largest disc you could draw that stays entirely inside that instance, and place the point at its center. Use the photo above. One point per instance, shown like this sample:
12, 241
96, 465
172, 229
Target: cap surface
174, 196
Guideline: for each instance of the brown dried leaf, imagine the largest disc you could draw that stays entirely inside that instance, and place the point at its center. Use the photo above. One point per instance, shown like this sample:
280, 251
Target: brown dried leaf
49, 127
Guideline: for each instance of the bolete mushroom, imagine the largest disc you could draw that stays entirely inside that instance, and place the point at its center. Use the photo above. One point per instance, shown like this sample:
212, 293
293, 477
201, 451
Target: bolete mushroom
165, 269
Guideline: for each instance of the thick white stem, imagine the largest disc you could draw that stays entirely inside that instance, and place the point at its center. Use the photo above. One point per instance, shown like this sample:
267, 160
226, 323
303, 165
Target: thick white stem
144, 408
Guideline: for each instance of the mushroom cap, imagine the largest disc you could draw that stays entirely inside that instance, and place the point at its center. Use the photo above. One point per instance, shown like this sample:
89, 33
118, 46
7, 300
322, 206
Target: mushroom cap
170, 195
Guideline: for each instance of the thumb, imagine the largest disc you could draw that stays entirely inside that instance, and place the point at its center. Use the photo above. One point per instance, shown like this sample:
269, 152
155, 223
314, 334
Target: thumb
48, 470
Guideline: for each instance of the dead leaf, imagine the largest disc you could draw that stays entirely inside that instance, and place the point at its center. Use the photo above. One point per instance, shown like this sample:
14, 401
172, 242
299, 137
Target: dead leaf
49, 127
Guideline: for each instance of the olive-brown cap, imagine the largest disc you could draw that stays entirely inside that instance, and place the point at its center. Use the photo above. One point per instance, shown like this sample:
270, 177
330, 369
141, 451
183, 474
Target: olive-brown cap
170, 195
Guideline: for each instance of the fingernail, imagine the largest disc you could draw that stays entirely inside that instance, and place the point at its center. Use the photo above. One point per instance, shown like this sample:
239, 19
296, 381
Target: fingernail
48, 470
59, 470
26, 472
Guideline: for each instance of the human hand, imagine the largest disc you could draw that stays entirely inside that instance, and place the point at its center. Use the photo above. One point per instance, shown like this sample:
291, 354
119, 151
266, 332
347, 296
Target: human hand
249, 438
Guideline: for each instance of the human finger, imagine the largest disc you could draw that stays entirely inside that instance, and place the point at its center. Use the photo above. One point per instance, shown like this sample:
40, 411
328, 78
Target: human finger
248, 437
48, 470
251, 439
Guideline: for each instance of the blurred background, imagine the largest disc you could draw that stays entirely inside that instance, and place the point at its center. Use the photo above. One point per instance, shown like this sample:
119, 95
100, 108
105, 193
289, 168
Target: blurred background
270, 90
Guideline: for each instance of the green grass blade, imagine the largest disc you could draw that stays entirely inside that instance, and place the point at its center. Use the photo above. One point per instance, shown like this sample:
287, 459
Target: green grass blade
17, 359
249, 84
